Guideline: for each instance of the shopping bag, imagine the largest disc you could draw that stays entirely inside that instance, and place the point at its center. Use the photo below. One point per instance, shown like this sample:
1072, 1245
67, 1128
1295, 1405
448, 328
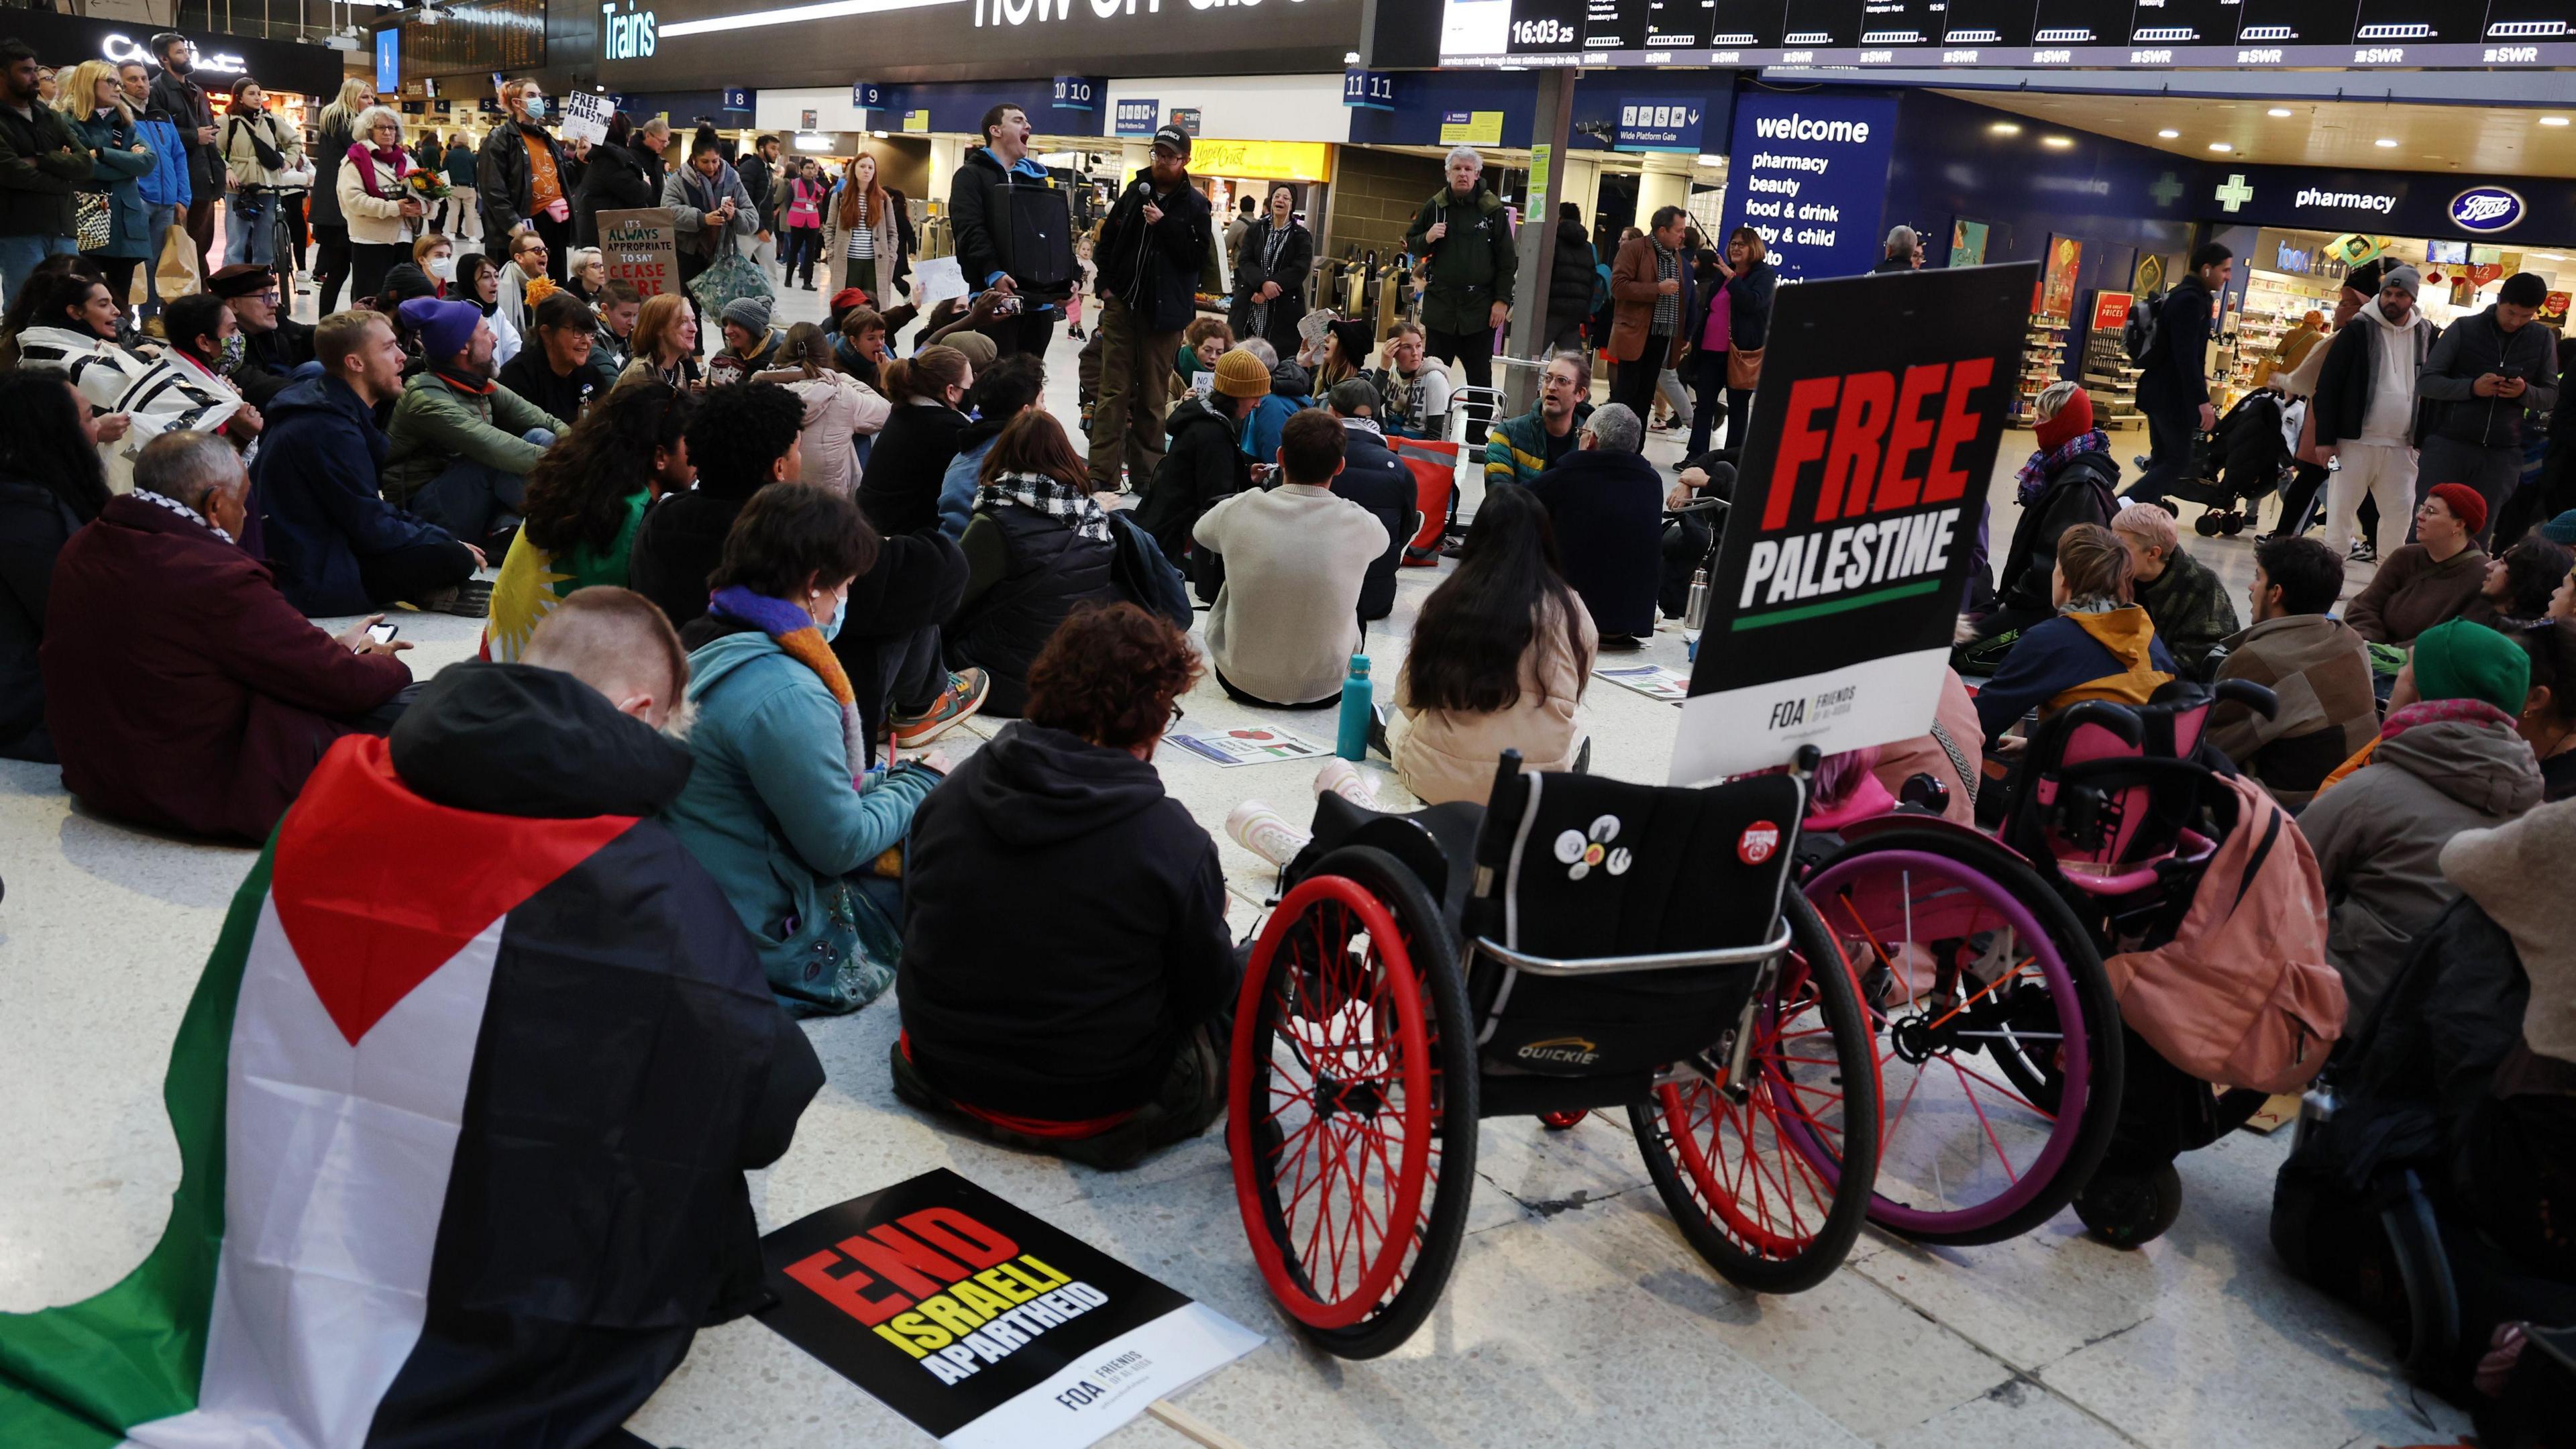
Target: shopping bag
732, 276
177, 275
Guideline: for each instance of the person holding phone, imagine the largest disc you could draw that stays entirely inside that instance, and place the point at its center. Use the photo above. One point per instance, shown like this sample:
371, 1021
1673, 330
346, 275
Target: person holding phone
2484, 373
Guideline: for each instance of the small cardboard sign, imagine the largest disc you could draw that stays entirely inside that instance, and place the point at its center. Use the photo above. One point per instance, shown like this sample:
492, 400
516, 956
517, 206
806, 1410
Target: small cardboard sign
641, 247
1857, 501
935, 280
585, 116
981, 1324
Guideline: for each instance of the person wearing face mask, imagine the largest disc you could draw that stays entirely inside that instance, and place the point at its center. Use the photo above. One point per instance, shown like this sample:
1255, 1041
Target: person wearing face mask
435, 255
184, 689
780, 806
206, 342
460, 445
525, 179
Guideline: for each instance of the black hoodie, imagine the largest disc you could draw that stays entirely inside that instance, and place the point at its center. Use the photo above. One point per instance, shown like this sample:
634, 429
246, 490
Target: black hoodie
679, 543
1068, 1003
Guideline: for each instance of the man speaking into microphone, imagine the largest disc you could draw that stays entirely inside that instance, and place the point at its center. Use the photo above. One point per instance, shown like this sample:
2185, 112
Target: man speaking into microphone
1150, 254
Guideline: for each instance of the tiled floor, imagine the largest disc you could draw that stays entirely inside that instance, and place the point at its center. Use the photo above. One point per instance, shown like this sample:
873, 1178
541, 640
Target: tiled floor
1577, 1316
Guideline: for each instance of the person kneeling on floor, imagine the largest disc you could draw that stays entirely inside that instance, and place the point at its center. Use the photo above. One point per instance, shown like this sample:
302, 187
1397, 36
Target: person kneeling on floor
1092, 1020
460, 445
1608, 507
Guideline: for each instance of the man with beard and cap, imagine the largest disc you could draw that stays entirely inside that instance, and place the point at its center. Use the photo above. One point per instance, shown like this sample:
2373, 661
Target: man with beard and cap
460, 445
1150, 252
274, 344
2365, 410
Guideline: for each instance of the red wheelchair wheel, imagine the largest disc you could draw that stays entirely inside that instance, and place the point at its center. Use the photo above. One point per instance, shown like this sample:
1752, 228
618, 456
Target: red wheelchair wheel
1352, 1103
1770, 1179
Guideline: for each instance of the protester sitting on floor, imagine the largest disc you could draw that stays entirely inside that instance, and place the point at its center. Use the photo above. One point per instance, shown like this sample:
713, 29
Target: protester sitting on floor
1194, 366
73, 325
781, 807
900, 493
750, 343
2317, 668
51, 483
1377, 480
739, 440
2515, 593
204, 341
460, 445
1009, 388
586, 502
2068, 480
1091, 1021
2431, 579
1286, 622
182, 689
275, 347
618, 307
1291, 390
2186, 601
559, 372
1203, 464
1608, 507
2547, 721
839, 409
2101, 645
337, 546
2447, 760
1038, 548
665, 343
1499, 658
1518, 449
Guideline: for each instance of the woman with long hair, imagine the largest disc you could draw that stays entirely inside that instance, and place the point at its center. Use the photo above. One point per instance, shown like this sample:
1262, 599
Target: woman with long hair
666, 344
1751, 282
336, 130
51, 483
94, 106
861, 234
901, 491
1270, 268
376, 208
1037, 548
586, 498
263, 158
478, 280
73, 324
2517, 588
1499, 658
838, 407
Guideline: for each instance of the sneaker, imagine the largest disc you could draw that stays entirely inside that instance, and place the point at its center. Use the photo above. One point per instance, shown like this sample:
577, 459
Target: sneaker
1257, 826
1341, 777
2362, 551
956, 704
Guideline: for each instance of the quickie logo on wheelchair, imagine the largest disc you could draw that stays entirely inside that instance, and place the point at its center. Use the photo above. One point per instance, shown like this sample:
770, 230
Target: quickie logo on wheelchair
1572, 1051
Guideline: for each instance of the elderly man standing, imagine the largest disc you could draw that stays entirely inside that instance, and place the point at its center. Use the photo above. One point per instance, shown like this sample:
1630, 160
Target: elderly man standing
1904, 252
2183, 599
1608, 505
1151, 250
182, 689
1650, 294
1467, 233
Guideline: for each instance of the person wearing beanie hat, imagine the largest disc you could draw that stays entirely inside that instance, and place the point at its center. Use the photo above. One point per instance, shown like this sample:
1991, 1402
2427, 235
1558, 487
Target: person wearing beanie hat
2068, 480
2299, 380
2448, 759
1203, 463
2484, 374
2561, 529
460, 445
750, 343
2431, 579
1153, 245
2364, 409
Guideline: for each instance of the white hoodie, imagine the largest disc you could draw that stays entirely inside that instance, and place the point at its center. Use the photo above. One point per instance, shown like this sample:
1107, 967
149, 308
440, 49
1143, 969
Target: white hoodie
2391, 416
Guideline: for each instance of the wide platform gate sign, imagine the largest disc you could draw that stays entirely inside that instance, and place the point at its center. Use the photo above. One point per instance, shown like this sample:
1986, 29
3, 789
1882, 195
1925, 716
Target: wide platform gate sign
982, 1324
1855, 517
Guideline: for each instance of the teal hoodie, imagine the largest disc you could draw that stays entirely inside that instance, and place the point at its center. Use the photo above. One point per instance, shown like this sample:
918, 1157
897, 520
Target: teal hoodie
770, 812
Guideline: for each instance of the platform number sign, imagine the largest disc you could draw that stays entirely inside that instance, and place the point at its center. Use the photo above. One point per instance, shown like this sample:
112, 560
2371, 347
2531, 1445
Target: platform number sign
1372, 90
1137, 116
868, 95
1076, 93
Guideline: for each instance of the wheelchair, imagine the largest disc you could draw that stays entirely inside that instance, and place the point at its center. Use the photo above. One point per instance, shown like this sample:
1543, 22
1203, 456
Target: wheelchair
1424, 971
2013, 1088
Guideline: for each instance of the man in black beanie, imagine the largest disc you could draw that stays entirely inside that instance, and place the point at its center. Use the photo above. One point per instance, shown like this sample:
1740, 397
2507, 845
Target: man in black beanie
2483, 375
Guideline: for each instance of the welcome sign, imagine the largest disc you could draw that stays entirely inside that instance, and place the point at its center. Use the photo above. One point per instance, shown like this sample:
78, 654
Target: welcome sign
1814, 179
1857, 501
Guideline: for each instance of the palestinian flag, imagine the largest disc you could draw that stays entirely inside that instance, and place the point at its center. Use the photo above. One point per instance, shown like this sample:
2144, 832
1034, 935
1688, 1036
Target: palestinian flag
462, 1102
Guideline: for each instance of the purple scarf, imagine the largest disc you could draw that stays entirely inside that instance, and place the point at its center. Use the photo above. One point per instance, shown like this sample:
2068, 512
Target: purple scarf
365, 160
2032, 480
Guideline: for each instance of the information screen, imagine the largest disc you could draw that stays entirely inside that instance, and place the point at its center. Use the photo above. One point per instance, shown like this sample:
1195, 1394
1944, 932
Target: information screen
1677, 23
2184, 22
1750, 24
2531, 20
2081, 22
2295, 22
1615, 24
2004, 23
1900, 22
2415, 22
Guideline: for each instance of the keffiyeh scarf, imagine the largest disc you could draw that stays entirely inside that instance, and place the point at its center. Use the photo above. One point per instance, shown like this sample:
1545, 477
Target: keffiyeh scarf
1056, 499
801, 640
2434, 711
2032, 480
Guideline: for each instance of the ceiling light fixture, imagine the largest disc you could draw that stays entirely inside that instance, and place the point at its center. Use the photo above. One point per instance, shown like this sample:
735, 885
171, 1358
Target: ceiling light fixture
2279, 113
2058, 142
2221, 147
2553, 120
2005, 128
2386, 143
2169, 134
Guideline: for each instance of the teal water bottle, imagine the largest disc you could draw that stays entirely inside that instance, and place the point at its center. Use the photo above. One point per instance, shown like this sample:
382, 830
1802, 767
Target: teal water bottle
1359, 709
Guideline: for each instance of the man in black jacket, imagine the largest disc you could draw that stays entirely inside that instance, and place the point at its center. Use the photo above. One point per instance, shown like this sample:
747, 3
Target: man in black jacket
1206, 465
1150, 251
996, 178
759, 173
194, 116
2174, 391
1376, 479
39, 161
2484, 373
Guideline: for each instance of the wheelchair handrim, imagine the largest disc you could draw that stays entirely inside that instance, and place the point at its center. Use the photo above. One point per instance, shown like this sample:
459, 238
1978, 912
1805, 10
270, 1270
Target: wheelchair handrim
1792, 1126
1293, 1282
2048, 967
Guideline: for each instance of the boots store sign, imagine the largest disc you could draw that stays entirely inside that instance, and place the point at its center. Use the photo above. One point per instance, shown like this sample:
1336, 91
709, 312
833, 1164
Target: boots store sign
2390, 203
935, 40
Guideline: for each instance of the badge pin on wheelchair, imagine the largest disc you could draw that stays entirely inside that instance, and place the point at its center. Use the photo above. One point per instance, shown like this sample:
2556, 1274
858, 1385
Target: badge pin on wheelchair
1757, 842
1582, 850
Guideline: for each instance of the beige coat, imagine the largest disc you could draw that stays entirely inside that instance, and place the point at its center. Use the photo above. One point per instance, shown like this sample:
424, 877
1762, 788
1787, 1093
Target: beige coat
836, 247
372, 220
241, 155
1442, 756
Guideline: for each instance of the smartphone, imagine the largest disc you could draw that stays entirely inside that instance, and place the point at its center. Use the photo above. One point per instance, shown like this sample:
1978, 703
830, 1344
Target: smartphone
1007, 307
383, 633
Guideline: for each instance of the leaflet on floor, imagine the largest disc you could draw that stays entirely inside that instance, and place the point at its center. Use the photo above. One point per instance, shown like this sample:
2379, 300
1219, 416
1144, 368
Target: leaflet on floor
1655, 681
1249, 745
981, 1324
1858, 510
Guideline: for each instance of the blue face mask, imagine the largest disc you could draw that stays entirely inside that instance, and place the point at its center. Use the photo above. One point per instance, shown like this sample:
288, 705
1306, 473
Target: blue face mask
840, 611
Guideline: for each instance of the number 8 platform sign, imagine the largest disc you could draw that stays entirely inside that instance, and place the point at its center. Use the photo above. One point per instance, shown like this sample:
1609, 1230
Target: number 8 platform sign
1858, 504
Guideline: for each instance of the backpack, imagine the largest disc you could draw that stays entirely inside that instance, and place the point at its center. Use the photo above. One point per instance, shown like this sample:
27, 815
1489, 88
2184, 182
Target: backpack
2138, 334
1142, 575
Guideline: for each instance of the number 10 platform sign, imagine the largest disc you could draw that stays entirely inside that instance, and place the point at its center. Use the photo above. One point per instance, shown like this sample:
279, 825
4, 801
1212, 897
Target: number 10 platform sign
983, 1325
1855, 517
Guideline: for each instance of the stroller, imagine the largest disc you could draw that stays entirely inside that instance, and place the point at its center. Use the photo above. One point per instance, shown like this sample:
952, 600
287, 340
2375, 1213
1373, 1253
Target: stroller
2243, 462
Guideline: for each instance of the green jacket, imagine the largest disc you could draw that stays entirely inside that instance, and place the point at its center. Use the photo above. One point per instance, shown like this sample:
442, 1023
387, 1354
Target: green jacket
1473, 264
434, 425
1516, 448
771, 812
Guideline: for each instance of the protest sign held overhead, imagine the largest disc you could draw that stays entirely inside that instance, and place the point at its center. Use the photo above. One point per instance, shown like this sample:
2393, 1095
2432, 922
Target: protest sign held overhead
980, 1323
1855, 516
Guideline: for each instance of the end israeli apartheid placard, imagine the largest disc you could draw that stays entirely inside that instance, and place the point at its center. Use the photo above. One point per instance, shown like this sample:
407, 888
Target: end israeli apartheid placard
985, 1326
1856, 508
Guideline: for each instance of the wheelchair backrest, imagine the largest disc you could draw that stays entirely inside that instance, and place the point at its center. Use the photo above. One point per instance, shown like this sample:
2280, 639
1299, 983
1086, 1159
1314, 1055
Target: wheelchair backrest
2094, 801
1571, 867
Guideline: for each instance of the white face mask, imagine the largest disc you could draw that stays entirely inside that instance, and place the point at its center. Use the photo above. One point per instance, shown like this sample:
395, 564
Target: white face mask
443, 268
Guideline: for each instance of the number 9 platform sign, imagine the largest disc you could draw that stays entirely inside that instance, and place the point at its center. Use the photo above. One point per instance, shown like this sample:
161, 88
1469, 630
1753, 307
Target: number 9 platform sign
1858, 503
983, 1325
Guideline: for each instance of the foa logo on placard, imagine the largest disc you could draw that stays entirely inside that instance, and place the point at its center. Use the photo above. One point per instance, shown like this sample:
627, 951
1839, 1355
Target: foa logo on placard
2486, 209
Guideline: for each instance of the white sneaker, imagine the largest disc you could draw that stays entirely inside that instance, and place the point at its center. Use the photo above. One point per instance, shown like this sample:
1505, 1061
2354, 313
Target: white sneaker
1257, 826
1341, 777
